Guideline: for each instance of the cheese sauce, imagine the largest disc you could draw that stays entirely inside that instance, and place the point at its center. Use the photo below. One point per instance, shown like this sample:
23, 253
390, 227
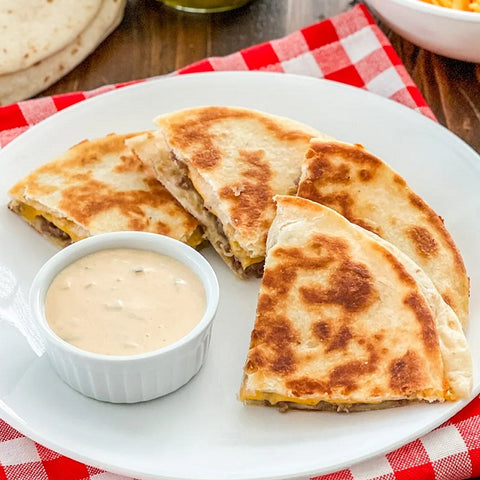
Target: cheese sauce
124, 301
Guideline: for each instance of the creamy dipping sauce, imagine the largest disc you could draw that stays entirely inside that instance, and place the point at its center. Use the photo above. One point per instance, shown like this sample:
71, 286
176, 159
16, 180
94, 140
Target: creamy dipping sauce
124, 301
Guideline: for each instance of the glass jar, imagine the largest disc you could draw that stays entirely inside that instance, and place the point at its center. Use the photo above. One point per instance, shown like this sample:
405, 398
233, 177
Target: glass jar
205, 6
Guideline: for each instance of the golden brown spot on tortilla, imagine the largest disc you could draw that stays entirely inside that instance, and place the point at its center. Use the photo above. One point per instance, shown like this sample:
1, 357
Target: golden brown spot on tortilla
277, 331
267, 302
302, 387
323, 171
331, 164
423, 241
340, 340
273, 337
346, 376
342, 202
399, 180
320, 186
365, 175
321, 330
343, 156
350, 285
396, 265
206, 159
162, 228
425, 319
196, 130
37, 188
85, 155
255, 362
323, 250
368, 226
448, 297
379, 336
274, 334
279, 278
84, 197
376, 392
416, 201
80, 177
128, 163
85, 201
251, 196
213, 114
437, 224
284, 363
406, 374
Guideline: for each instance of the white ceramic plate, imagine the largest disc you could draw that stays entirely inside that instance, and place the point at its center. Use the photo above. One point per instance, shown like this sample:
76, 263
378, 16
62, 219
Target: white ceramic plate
202, 431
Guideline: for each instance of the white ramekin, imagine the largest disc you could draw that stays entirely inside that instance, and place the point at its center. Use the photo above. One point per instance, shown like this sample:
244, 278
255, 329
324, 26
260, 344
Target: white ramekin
127, 378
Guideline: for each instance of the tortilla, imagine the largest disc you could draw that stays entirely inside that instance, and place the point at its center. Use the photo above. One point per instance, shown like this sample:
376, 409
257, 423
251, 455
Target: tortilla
368, 192
24, 83
224, 165
31, 30
99, 186
346, 321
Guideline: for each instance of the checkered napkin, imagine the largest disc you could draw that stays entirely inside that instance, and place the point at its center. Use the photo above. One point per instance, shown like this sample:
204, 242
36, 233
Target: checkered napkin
348, 48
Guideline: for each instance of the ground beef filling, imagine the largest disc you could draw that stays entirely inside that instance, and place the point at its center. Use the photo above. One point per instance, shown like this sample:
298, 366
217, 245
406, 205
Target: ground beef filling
51, 230
221, 242
42, 225
335, 407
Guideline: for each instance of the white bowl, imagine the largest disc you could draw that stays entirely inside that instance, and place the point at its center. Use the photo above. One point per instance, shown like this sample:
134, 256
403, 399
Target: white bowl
127, 378
445, 31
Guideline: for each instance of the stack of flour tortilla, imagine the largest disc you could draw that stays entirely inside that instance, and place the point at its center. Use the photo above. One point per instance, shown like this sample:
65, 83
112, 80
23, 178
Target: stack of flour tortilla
42, 40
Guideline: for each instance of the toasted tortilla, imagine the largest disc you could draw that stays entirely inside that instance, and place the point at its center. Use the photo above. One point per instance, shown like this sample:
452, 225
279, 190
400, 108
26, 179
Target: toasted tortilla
346, 321
224, 165
99, 186
368, 192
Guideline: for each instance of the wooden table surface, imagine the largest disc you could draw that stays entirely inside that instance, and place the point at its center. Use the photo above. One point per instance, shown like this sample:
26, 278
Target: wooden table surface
154, 39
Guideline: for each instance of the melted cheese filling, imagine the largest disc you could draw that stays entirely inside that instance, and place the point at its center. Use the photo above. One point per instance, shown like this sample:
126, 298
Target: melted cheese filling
275, 398
30, 213
67, 226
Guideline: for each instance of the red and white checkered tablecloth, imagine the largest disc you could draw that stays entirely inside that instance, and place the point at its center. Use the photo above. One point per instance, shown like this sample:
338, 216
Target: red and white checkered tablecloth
348, 48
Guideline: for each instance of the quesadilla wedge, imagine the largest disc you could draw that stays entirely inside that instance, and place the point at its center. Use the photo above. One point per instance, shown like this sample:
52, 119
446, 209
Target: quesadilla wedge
346, 321
99, 186
368, 192
224, 165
